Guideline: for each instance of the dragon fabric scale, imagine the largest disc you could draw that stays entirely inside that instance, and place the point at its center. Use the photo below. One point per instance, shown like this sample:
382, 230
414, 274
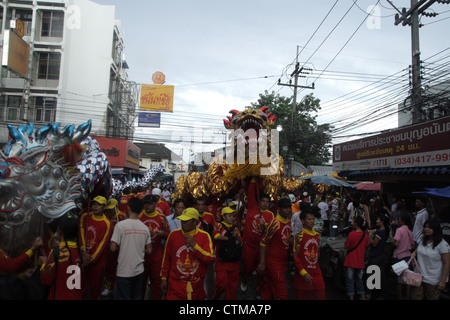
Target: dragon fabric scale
44, 174
222, 178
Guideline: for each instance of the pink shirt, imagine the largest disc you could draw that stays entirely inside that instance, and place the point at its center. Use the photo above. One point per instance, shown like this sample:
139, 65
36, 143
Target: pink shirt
405, 240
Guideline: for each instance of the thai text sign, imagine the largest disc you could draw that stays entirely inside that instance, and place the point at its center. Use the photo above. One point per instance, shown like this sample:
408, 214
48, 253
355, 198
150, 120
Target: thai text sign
421, 145
156, 98
149, 120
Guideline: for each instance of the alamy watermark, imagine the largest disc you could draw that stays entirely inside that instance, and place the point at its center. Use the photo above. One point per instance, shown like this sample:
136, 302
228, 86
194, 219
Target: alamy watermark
252, 145
373, 21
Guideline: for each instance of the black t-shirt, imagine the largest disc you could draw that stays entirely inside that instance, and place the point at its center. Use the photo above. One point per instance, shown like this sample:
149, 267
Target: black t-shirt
379, 249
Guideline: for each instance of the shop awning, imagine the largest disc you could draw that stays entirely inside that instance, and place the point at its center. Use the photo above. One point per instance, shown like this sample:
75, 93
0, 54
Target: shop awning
397, 171
438, 192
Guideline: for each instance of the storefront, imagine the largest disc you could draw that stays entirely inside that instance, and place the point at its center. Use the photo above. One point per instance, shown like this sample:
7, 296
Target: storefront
123, 156
405, 160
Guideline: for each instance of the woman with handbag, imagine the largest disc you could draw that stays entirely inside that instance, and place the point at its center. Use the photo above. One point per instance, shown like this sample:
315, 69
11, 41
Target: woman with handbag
403, 244
356, 244
433, 257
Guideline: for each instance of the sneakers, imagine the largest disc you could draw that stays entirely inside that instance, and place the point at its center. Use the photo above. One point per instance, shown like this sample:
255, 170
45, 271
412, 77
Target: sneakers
106, 292
243, 286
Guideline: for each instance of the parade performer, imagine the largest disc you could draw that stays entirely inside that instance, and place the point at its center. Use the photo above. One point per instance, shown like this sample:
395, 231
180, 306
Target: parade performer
308, 280
159, 231
161, 206
227, 267
274, 253
62, 271
20, 263
114, 215
256, 221
187, 254
95, 234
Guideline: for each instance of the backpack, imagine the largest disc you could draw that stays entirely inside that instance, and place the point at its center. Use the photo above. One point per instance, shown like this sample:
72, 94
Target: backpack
230, 250
206, 227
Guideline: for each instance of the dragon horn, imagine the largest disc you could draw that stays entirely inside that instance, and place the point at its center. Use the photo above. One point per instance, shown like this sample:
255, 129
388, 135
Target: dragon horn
264, 109
68, 130
234, 112
15, 134
83, 131
226, 123
43, 132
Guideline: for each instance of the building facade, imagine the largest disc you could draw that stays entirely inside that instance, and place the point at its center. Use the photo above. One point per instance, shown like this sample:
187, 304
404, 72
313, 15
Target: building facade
76, 68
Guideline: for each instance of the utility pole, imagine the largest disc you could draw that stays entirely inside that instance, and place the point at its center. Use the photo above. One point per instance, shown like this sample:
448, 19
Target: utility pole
296, 75
411, 17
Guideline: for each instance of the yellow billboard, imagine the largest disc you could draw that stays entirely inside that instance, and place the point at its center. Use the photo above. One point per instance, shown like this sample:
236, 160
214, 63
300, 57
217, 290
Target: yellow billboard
156, 98
16, 53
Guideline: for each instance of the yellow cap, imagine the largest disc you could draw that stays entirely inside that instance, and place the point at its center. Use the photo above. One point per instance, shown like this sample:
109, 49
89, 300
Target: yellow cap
228, 210
188, 214
112, 203
101, 200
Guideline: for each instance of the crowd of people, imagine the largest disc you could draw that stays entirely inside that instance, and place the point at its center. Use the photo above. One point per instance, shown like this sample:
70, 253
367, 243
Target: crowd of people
147, 244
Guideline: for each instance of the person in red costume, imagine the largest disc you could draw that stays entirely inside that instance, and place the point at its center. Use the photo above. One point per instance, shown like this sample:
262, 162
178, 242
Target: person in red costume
62, 270
308, 280
274, 253
114, 215
161, 206
159, 231
19, 264
95, 233
187, 254
257, 218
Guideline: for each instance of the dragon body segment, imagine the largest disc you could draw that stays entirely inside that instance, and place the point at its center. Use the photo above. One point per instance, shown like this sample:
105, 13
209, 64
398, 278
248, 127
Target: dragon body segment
252, 153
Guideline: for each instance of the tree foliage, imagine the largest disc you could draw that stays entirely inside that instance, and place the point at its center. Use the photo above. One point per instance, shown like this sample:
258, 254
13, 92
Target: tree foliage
309, 141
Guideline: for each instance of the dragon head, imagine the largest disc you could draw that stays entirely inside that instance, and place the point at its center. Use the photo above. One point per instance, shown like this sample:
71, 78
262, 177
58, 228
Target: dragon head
250, 119
39, 179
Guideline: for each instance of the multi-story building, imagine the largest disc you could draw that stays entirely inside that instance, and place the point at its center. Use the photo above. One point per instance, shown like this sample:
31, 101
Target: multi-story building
76, 68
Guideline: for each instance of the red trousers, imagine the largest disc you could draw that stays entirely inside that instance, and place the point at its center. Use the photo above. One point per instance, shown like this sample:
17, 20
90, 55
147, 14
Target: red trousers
227, 279
111, 268
152, 270
275, 287
309, 294
94, 278
184, 290
250, 261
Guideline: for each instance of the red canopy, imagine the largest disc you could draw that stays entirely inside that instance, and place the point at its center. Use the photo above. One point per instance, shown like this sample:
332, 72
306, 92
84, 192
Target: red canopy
368, 185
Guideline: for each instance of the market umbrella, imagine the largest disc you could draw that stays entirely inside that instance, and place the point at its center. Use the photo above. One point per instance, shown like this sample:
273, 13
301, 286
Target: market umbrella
327, 180
368, 185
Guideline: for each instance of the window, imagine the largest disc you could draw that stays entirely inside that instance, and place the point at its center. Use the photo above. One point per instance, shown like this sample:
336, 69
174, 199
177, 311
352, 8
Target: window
45, 109
26, 15
49, 65
13, 104
52, 24
2, 106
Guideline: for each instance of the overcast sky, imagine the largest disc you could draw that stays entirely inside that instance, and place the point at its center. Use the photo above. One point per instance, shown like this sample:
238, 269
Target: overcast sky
218, 53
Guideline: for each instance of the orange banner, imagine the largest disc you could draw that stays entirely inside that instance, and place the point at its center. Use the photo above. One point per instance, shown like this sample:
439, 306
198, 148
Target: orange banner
156, 98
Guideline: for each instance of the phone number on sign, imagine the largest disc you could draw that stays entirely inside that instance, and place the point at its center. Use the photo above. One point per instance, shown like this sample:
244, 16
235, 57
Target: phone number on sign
411, 160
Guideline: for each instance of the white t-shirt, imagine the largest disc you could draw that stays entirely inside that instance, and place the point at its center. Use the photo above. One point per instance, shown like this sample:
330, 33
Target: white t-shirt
296, 223
421, 218
323, 210
430, 261
132, 236
351, 209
